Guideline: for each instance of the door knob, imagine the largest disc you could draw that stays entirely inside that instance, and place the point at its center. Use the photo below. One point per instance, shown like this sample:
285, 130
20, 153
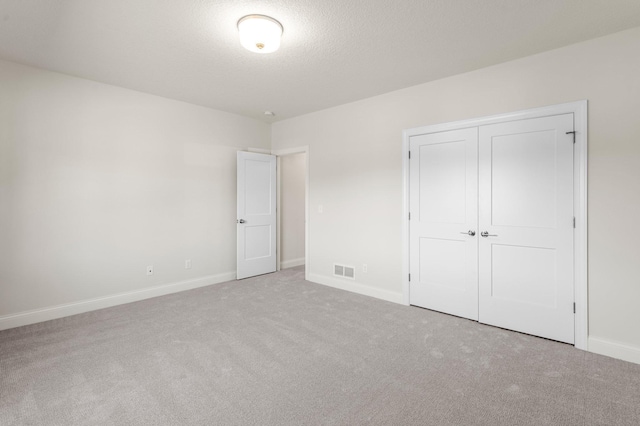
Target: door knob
241, 221
471, 233
486, 234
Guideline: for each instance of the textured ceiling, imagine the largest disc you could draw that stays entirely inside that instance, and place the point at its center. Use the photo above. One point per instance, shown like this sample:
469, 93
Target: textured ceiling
333, 51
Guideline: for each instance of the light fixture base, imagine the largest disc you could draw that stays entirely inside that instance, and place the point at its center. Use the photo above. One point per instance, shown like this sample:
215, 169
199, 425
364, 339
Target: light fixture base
260, 33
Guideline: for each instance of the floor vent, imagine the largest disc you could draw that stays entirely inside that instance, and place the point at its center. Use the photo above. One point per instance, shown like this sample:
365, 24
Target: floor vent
344, 271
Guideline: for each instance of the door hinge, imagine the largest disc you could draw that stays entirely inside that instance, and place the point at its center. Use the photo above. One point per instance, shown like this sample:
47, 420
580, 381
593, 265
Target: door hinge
409, 155
409, 277
574, 135
409, 215
574, 221
574, 307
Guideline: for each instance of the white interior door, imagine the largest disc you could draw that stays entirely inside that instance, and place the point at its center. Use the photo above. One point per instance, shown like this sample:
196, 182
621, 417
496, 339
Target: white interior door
256, 221
526, 208
443, 223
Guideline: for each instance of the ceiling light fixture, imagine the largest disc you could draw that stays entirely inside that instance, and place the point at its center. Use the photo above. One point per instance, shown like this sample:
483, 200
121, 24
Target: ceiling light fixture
259, 33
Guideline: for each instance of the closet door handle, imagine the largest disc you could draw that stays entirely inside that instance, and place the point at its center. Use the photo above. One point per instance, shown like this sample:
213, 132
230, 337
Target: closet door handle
486, 234
471, 233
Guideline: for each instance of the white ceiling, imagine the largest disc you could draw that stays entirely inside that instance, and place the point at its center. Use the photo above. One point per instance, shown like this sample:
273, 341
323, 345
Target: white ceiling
333, 51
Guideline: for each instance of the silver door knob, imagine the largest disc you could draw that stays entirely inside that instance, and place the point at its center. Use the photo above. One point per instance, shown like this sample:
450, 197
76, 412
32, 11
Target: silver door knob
471, 233
241, 221
486, 234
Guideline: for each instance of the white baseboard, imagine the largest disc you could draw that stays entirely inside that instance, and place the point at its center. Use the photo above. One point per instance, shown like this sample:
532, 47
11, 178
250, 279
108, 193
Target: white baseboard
291, 263
354, 287
614, 349
59, 311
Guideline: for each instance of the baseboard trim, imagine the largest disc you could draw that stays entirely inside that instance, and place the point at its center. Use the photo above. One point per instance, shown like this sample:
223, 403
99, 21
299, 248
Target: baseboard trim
292, 263
614, 349
358, 288
53, 312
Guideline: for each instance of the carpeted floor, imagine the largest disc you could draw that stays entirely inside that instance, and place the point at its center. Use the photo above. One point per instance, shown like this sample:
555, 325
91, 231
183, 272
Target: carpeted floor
277, 350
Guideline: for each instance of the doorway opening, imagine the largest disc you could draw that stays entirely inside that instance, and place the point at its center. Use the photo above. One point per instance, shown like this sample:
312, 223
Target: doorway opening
292, 208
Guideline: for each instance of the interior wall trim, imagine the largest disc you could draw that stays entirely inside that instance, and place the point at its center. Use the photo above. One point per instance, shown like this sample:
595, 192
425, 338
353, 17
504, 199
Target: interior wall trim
65, 310
358, 288
292, 263
614, 349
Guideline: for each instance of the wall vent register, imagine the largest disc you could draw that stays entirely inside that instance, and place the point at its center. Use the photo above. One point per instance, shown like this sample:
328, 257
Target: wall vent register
344, 271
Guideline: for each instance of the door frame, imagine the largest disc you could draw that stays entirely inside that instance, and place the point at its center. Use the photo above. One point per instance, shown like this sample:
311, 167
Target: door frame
281, 153
579, 110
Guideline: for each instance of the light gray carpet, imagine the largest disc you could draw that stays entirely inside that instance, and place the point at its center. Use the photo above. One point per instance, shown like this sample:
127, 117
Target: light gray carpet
276, 350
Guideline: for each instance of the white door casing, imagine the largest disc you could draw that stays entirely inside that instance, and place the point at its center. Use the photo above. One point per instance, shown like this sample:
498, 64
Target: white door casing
443, 239
256, 214
526, 278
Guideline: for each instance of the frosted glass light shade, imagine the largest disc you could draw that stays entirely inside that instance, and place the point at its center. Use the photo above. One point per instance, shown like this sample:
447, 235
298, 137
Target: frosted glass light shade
259, 33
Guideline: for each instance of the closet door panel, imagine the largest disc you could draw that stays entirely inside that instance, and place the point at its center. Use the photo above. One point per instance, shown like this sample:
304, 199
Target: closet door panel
526, 213
443, 206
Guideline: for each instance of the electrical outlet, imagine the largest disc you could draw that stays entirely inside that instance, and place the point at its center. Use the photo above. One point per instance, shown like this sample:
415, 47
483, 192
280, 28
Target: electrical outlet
187, 264
364, 267
150, 270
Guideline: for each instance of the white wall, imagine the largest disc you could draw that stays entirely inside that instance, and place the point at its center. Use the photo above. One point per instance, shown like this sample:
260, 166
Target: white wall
356, 170
292, 194
97, 182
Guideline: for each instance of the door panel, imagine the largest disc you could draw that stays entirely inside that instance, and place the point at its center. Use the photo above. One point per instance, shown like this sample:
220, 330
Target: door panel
440, 263
533, 281
257, 187
443, 206
523, 179
256, 228
257, 241
443, 162
526, 207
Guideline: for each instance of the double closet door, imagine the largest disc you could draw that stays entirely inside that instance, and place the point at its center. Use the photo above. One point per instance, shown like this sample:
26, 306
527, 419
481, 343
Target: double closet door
491, 225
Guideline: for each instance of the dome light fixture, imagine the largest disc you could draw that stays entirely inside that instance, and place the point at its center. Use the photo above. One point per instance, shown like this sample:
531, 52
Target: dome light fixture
260, 33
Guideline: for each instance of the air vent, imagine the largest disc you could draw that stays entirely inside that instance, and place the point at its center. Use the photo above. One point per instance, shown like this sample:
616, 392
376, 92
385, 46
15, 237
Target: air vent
349, 272
344, 271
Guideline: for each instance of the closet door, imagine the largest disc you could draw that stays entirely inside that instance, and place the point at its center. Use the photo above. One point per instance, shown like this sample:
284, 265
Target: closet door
526, 226
443, 224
